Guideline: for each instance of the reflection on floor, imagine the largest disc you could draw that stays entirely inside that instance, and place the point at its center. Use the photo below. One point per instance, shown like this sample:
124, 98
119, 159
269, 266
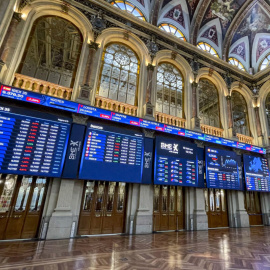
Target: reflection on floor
214, 249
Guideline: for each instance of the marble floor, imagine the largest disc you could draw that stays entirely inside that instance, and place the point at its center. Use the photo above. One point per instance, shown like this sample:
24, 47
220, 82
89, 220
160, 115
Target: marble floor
213, 249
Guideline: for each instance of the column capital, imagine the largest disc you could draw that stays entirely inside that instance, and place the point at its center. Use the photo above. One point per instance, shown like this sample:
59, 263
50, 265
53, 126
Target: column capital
228, 97
194, 84
93, 45
150, 67
17, 16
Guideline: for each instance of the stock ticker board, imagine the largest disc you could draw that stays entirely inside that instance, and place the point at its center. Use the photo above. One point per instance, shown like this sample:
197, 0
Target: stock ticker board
256, 173
32, 143
112, 154
223, 169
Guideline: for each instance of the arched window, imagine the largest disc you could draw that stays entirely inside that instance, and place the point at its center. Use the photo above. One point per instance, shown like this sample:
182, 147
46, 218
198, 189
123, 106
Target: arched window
169, 90
130, 8
265, 63
267, 109
233, 61
207, 48
53, 51
208, 103
119, 74
240, 114
169, 28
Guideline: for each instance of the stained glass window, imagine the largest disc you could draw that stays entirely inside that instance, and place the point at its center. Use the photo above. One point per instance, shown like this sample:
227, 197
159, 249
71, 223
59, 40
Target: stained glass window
240, 114
53, 51
265, 63
172, 30
130, 8
208, 103
119, 74
207, 48
169, 90
235, 62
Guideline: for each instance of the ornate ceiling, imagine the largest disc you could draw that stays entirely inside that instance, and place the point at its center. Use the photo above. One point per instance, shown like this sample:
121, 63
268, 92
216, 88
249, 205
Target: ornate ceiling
234, 28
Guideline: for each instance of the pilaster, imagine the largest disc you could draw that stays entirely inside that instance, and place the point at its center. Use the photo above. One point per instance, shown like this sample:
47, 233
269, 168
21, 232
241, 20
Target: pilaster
200, 218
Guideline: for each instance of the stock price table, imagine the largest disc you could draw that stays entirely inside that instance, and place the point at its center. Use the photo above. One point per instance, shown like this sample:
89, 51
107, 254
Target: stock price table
112, 156
256, 173
32, 145
222, 169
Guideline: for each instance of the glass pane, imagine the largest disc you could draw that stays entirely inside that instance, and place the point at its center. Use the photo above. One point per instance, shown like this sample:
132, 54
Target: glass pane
156, 198
88, 196
100, 196
110, 197
206, 200
223, 200
217, 192
121, 197
23, 194
119, 74
179, 199
9, 185
38, 194
212, 200
164, 199
172, 199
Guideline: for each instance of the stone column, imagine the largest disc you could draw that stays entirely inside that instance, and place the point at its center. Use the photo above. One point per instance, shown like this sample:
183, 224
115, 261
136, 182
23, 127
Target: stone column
195, 120
200, 218
60, 224
144, 216
232, 133
87, 85
258, 126
149, 107
265, 207
8, 40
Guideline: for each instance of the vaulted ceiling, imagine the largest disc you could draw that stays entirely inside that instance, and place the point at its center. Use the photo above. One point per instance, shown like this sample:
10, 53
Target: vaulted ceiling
234, 28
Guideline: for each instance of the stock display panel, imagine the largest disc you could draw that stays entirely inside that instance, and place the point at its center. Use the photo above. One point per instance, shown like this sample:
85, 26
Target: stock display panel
175, 163
256, 173
112, 154
32, 143
223, 169
53, 102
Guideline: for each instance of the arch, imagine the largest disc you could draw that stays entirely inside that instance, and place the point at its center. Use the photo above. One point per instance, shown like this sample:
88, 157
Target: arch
183, 66
39, 9
169, 90
119, 74
171, 29
208, 99
118, 35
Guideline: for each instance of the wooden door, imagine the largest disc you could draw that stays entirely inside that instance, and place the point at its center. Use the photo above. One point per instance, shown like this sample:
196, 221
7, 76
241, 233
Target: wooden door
216, 208
103, 208
253, 207
21, 204
168, 211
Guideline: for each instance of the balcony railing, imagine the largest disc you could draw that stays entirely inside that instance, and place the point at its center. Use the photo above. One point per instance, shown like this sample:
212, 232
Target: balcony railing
114, 105
170, 120
212, 130
244, 139
40, 86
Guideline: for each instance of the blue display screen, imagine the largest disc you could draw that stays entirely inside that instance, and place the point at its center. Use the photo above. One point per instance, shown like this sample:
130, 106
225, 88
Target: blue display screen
112, 154
52, 102
223, 169
32, 144
256, 173
175, 163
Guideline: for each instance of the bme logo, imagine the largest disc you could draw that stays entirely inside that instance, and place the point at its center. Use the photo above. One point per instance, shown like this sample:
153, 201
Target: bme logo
170, 147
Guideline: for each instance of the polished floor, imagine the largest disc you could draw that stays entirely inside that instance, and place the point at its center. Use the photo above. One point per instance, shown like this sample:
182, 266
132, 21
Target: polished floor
213, 249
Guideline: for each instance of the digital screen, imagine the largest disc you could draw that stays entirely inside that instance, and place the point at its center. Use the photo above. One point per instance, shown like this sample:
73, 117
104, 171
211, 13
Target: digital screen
256, 173
112, 154
32, 144
175, 163
53, 102
223, 169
